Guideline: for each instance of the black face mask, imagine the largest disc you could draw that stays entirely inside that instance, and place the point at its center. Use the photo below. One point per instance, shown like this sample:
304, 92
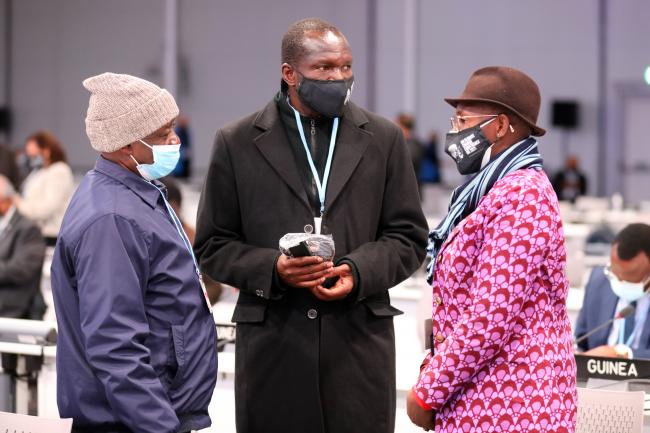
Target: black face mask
327, 97
467, 148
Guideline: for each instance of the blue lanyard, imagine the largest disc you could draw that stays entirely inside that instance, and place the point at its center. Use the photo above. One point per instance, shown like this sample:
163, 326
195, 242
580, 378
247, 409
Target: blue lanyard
322, 187
188, 245
179, 229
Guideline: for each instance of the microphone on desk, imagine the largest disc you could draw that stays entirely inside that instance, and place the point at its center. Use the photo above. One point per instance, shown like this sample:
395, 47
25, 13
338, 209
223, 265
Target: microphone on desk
620, 315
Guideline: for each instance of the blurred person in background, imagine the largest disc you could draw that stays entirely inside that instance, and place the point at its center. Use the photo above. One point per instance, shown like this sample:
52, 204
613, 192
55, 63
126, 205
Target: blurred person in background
136, 348
46, 191
430, 167
623, 282
406, 122
8, 165
183, 169
570, 182
22, 251
28, 159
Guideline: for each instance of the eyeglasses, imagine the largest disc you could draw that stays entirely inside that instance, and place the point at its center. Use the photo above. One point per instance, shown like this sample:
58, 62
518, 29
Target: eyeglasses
608, 272
612, 276
458, 122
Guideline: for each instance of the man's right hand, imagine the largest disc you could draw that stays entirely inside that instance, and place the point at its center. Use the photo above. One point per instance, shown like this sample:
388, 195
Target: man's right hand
302, 272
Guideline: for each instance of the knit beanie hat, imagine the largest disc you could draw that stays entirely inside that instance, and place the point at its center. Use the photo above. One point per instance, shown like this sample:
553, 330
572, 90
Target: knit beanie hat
124, 109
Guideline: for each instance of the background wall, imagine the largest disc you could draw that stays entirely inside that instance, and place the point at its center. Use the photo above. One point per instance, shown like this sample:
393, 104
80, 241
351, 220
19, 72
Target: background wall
57, 44
409, 54
532, 36
230, 57
628, 51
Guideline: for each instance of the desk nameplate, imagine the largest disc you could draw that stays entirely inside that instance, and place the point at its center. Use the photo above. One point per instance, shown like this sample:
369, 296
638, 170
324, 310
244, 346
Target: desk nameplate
597, 367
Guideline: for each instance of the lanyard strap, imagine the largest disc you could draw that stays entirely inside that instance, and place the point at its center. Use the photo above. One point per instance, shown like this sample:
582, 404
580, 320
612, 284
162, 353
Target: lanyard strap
322, 187
188, 245
179, 229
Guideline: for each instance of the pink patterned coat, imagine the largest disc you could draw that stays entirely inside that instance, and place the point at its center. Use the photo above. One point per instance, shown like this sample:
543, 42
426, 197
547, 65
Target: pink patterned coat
502, 340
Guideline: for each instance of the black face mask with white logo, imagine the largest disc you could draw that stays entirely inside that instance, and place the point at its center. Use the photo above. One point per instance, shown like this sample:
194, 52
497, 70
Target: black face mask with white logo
467, 148
327, 97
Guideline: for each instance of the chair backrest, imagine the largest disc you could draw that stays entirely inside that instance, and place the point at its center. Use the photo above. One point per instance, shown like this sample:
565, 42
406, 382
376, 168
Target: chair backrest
601, 411
17, 423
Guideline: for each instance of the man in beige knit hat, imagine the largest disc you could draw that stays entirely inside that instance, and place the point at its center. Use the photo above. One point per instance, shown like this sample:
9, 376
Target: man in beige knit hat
137, 342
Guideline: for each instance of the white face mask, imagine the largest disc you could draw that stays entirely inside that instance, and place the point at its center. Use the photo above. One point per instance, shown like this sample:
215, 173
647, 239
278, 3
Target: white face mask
625, 290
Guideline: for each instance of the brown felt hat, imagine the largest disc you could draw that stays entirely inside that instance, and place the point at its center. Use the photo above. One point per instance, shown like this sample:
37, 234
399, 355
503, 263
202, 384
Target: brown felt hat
505, 87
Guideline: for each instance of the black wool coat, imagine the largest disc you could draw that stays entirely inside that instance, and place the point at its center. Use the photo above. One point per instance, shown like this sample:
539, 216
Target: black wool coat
304, 365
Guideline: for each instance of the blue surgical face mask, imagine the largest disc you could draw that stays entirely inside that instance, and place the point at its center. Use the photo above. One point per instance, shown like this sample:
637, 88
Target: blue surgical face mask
625, 290
35, 162
165, 158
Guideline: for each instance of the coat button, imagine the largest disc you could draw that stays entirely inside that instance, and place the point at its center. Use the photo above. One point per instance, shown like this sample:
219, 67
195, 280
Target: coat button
440, 338
260, 293
437, 300
312, 314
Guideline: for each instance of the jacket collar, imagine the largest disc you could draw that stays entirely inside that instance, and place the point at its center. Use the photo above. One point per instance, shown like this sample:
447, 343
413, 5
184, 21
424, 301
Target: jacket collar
269, 116
350, 146
144, 189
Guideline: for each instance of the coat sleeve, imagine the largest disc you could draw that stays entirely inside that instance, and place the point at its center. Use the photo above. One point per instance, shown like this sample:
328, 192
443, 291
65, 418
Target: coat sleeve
26, 259
112, 265
219, 246
514, 246
402, 234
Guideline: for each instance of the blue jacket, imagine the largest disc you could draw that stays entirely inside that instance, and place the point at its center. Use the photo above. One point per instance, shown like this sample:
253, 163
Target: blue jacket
599, 306
137, 343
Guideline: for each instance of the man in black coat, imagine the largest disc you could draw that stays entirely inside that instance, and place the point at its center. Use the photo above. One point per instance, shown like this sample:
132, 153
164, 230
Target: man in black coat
315, 347
22, 250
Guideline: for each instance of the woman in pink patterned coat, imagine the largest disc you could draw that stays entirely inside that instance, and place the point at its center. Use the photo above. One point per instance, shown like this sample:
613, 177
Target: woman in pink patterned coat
502, 353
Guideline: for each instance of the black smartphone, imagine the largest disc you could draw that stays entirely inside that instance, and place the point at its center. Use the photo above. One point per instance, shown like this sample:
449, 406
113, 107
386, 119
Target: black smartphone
300, 250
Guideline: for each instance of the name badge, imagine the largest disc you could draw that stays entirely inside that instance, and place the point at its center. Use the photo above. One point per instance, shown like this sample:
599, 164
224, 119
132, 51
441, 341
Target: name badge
205, 293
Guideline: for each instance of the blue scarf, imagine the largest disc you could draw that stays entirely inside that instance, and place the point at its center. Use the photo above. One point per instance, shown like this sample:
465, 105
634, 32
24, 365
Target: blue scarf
465, 198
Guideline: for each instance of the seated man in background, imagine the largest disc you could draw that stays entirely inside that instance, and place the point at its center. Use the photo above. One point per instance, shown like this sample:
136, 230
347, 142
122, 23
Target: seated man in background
22, 250
625, 281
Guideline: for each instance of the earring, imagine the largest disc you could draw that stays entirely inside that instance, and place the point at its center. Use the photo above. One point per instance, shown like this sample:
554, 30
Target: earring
512, 130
